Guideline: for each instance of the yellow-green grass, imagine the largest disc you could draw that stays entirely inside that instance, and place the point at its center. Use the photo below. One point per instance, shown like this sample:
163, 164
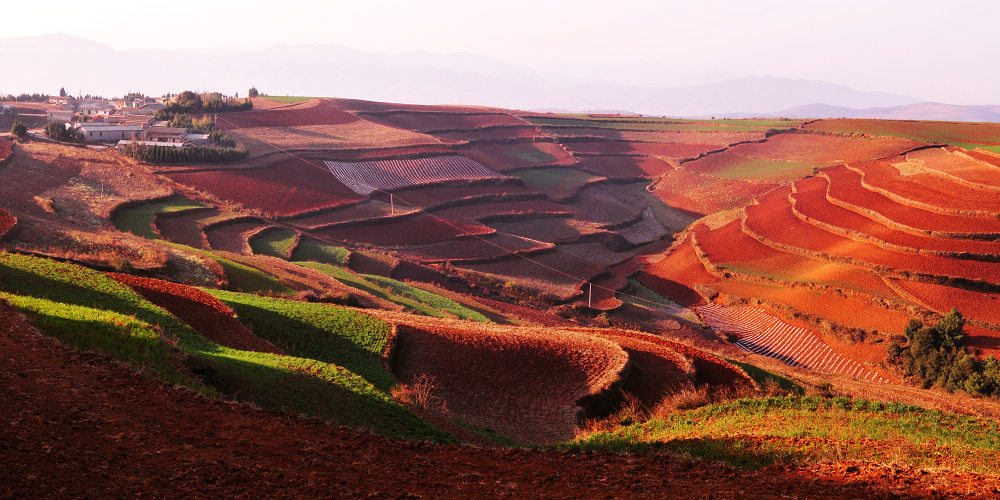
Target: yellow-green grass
241, 277
317, 251
651, 124
556, 182
413, 299
758, 169
275, 242
962, 134
807, 429
290, 99
532, 155
87, 310
138, 219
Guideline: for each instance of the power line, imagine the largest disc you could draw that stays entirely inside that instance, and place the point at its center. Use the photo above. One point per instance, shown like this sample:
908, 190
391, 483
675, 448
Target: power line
463, 231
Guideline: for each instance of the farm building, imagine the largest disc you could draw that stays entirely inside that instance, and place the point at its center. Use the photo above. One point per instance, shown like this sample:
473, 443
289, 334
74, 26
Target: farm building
95, 108
173, 135
59, 115
105, 132
62, 100
144, 121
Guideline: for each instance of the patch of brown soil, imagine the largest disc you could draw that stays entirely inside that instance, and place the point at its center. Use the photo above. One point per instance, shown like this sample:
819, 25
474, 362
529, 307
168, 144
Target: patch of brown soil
206, 314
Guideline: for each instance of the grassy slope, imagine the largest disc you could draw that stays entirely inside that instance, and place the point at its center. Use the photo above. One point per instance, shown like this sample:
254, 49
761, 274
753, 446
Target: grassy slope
310, 249
87, 310
276, 243
758, 432
758, 169
412, 298
558, 182
287, 98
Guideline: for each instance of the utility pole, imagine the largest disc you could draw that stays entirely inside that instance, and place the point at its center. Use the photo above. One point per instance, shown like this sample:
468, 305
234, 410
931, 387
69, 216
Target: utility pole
590, 294
392, 206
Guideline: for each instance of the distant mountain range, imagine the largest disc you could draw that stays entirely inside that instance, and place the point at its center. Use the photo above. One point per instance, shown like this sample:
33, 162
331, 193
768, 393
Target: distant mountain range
44, 63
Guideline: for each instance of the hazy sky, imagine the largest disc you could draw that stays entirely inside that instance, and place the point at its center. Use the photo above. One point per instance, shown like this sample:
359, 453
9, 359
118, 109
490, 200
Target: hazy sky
927, 49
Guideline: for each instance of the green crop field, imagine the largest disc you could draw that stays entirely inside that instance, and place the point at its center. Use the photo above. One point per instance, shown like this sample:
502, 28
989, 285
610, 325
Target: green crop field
556, 182
531, 155
654, 124
316, 251
276, 243
807, 429
425, 297
138, 219
87, 310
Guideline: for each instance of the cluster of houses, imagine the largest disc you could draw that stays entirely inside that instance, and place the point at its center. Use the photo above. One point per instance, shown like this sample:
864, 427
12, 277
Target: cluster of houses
121, 122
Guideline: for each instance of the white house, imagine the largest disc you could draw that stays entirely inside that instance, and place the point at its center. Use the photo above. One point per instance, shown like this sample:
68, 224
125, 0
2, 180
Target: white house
105, 132
95, 108
59, 115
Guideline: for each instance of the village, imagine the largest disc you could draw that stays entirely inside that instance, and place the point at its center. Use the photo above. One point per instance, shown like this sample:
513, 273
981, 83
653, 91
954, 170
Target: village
129, 121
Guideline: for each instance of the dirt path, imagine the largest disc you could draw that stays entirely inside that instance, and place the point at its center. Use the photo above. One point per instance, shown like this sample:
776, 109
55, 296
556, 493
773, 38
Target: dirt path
77, 424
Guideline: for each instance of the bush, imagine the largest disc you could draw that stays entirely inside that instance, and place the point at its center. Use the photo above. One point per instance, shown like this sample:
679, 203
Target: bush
19, 129
165, 155
934, 354
58, 131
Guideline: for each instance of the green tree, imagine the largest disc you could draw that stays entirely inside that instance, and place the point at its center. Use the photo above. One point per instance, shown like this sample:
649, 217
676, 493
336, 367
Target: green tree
253, 92
19, 129
62, 91
57, 131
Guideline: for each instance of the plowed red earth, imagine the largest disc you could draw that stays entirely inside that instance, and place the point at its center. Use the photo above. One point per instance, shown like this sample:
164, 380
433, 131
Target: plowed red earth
182, 227
733, 249
954, 162
7, 221
424, 122
703, 194
206, 314
474, 212
510, 156
526, 132
972, 305
523, 383
286, 188
430, 196
656, 370
675, 275
311, 112
233, 237
625, 167
773, 219
985, 133
845, 186
112, 433
810, 201
419, 229
5, 149
924, 188
818, 148
665, 149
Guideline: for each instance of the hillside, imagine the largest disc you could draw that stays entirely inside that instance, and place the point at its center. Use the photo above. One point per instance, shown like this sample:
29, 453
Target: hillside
503, 278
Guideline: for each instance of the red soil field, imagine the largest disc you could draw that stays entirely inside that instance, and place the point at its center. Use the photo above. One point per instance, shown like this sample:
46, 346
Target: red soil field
848, 312
233, 236
817, 148
519, 155
954, 163
810, 201
488, 247
7, 222
557, 272
206, 314
983, 341
931, 131
492, 133
286, 188
703, 194
372, 263
656, 370
690, 137
674, 275
165, 442
431, 196
311, 112
377, 107
380, 153
476, 211
731, 248
973, 305
428, 122
183, 227
624, 167
923, 190
773, 219
845, 188
709, 370
5, 150
418, 229
524, 383
662, 149
984, 156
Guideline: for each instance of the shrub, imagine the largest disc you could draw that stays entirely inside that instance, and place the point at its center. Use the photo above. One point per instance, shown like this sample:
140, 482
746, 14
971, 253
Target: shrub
19, 129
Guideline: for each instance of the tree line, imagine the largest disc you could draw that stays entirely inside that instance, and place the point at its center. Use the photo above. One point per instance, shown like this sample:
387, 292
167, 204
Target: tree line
166, 155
